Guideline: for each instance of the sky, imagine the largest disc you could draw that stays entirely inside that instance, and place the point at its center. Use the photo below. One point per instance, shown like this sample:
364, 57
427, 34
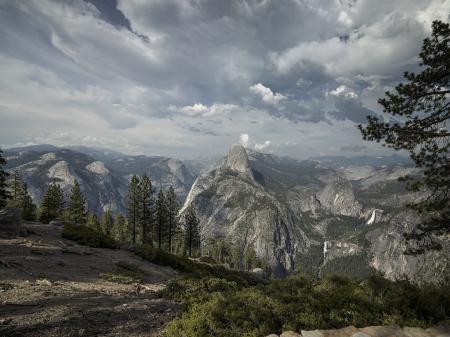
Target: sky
188, 78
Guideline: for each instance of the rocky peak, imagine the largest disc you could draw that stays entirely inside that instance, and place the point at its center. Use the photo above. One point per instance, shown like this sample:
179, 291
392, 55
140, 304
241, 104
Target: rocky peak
237, 160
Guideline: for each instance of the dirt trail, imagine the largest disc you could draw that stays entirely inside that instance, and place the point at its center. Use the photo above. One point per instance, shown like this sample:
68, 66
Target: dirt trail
50, 286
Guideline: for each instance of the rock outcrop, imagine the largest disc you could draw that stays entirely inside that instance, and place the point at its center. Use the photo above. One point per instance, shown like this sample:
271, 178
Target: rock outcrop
372, 331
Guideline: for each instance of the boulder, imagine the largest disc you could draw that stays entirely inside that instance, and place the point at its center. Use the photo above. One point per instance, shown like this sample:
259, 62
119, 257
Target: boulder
11, 222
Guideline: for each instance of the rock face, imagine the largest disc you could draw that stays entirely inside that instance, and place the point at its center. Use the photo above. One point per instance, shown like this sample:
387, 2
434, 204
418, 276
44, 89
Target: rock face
237, 160
305, 215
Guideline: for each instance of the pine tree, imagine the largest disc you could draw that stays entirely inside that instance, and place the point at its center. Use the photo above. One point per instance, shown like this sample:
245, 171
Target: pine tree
19, 197
92, 220
120, 229
107, 222
250, 258
172, 216
133, 206
76, 209
15, 190
420, 110
52, 204
3, 186
192, 234
161, 218
146, 208
27, 205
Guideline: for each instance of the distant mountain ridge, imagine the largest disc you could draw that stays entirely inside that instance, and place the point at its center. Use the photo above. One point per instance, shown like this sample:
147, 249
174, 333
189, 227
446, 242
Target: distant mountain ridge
103, 174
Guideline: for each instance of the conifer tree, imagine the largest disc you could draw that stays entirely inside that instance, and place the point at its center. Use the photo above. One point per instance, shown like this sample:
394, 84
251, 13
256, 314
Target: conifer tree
192, 234
172, 216
92, 220
3, 186
133, 206
146, 208
420, 110
27, 205
120, 229
15, 190
76, 209
161, 218
107, 222
52, 204
250, 258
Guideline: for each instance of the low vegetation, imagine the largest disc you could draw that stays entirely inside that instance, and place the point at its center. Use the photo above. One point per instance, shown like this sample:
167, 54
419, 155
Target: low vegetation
124, 272
88, 236
218, 307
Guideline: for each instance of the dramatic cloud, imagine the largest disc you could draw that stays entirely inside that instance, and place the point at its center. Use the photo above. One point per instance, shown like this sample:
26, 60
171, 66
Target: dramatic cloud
185, 78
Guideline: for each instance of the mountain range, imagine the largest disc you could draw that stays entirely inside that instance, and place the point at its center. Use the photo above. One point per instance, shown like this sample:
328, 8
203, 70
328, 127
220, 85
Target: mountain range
326, 214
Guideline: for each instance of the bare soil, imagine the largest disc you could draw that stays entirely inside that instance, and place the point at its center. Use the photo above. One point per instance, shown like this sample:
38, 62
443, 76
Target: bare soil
50, 286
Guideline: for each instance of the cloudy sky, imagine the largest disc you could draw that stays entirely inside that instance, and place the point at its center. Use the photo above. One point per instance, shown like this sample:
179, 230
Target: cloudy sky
190, 77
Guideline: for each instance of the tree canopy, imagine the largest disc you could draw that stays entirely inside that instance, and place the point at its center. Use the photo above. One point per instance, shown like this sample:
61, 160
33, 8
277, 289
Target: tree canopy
419, 113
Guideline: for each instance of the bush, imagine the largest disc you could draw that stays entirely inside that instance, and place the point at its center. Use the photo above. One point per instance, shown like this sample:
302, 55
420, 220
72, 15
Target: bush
217, 307
88, 236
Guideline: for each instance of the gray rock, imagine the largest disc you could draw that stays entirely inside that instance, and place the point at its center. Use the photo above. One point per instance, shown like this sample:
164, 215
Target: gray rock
312, 333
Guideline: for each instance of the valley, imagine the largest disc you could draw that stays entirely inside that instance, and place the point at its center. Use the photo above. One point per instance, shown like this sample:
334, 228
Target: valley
318, 216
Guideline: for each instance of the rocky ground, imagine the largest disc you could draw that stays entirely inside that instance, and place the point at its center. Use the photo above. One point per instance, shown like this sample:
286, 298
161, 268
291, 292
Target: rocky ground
372, 331
50, 286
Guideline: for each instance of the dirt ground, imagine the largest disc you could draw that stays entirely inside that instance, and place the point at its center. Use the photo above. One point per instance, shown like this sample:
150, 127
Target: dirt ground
50, 286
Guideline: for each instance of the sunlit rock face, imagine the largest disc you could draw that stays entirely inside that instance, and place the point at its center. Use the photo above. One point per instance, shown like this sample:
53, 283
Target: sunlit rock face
237, 160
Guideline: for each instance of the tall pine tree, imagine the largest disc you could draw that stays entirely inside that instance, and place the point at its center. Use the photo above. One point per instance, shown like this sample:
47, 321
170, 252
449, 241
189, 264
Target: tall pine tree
418, 115
15, 190
3, 185
121, 231
107, 222
172, 216
161, 218
19, 197
92, 220
27, 205
76, 210
192, 234
133, 206
146, 208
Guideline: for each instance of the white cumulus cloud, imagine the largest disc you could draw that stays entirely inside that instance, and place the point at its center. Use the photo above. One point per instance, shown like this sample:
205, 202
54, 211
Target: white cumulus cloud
267, 95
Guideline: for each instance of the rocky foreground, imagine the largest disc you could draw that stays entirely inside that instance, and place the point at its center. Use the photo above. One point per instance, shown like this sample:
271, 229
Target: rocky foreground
372, 331
51, 287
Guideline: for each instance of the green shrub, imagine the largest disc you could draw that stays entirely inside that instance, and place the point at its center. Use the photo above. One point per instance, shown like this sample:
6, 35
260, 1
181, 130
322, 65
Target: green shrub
124, 272
88, 236
217, 307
